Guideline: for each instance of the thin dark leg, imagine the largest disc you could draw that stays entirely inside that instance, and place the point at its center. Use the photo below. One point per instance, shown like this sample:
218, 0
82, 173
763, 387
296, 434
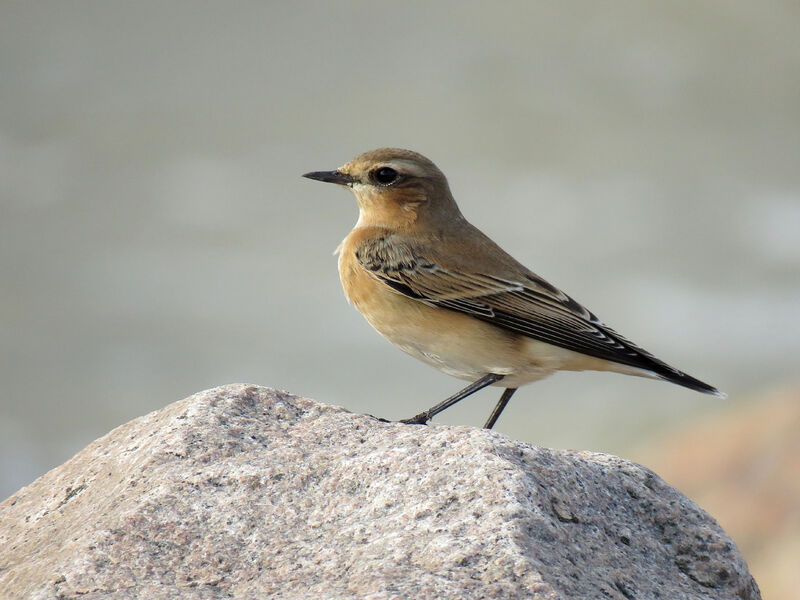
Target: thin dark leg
501, 404
425, 416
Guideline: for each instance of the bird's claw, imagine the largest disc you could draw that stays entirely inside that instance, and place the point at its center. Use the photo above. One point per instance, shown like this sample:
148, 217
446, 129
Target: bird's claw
381, 419
420, 419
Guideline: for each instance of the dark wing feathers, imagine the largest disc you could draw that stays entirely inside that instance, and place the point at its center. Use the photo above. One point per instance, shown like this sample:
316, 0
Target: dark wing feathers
530, 307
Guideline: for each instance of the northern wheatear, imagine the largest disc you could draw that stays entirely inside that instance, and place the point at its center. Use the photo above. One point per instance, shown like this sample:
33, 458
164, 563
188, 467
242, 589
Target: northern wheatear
440, 290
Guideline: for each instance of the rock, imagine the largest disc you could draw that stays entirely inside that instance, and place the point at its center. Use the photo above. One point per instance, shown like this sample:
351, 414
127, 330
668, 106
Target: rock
245, 492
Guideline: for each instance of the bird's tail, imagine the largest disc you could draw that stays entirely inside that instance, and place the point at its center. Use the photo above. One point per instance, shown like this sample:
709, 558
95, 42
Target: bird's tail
680, 378
650, 366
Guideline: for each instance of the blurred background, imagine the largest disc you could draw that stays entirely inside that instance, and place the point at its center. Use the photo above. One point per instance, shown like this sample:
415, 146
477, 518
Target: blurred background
156, 238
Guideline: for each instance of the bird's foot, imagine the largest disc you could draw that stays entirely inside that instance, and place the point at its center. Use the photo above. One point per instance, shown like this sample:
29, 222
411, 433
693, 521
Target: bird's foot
420, 419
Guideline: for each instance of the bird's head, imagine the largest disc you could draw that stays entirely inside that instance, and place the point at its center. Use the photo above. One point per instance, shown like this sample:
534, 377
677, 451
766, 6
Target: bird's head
395, 188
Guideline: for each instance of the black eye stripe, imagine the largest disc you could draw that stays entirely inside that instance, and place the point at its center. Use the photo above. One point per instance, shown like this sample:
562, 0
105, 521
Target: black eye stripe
384, 176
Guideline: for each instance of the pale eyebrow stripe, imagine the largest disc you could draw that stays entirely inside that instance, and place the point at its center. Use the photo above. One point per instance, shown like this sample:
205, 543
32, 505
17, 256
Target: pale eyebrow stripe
406, 166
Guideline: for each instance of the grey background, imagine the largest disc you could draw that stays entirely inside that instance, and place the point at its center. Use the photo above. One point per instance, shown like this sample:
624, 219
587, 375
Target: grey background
156, 238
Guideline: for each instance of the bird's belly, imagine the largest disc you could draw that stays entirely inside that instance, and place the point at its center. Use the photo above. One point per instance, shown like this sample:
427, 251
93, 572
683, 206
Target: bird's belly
464, 347
454, 343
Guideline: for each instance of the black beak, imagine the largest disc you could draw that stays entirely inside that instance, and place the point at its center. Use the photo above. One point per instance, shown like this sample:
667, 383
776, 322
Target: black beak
330, 177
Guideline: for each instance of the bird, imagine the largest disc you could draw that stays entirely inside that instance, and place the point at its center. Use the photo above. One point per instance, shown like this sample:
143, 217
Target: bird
442, 291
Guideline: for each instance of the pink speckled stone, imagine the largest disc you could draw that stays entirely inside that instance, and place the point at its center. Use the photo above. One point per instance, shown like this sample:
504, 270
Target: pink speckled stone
247, 492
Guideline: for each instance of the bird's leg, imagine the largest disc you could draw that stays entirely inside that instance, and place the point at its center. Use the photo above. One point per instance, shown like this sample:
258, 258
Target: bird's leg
425, 416
501, 404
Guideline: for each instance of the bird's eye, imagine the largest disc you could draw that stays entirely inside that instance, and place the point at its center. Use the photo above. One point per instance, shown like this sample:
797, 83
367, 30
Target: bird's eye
385, 176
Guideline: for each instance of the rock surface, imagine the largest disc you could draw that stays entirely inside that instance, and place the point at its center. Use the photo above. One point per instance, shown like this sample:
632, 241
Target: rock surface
246, 492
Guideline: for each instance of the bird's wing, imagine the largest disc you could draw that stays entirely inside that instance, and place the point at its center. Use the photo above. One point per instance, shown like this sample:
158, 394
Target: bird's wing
525, 304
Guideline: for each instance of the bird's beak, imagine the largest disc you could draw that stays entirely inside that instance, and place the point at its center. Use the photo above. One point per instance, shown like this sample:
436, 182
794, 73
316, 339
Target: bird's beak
330, 177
